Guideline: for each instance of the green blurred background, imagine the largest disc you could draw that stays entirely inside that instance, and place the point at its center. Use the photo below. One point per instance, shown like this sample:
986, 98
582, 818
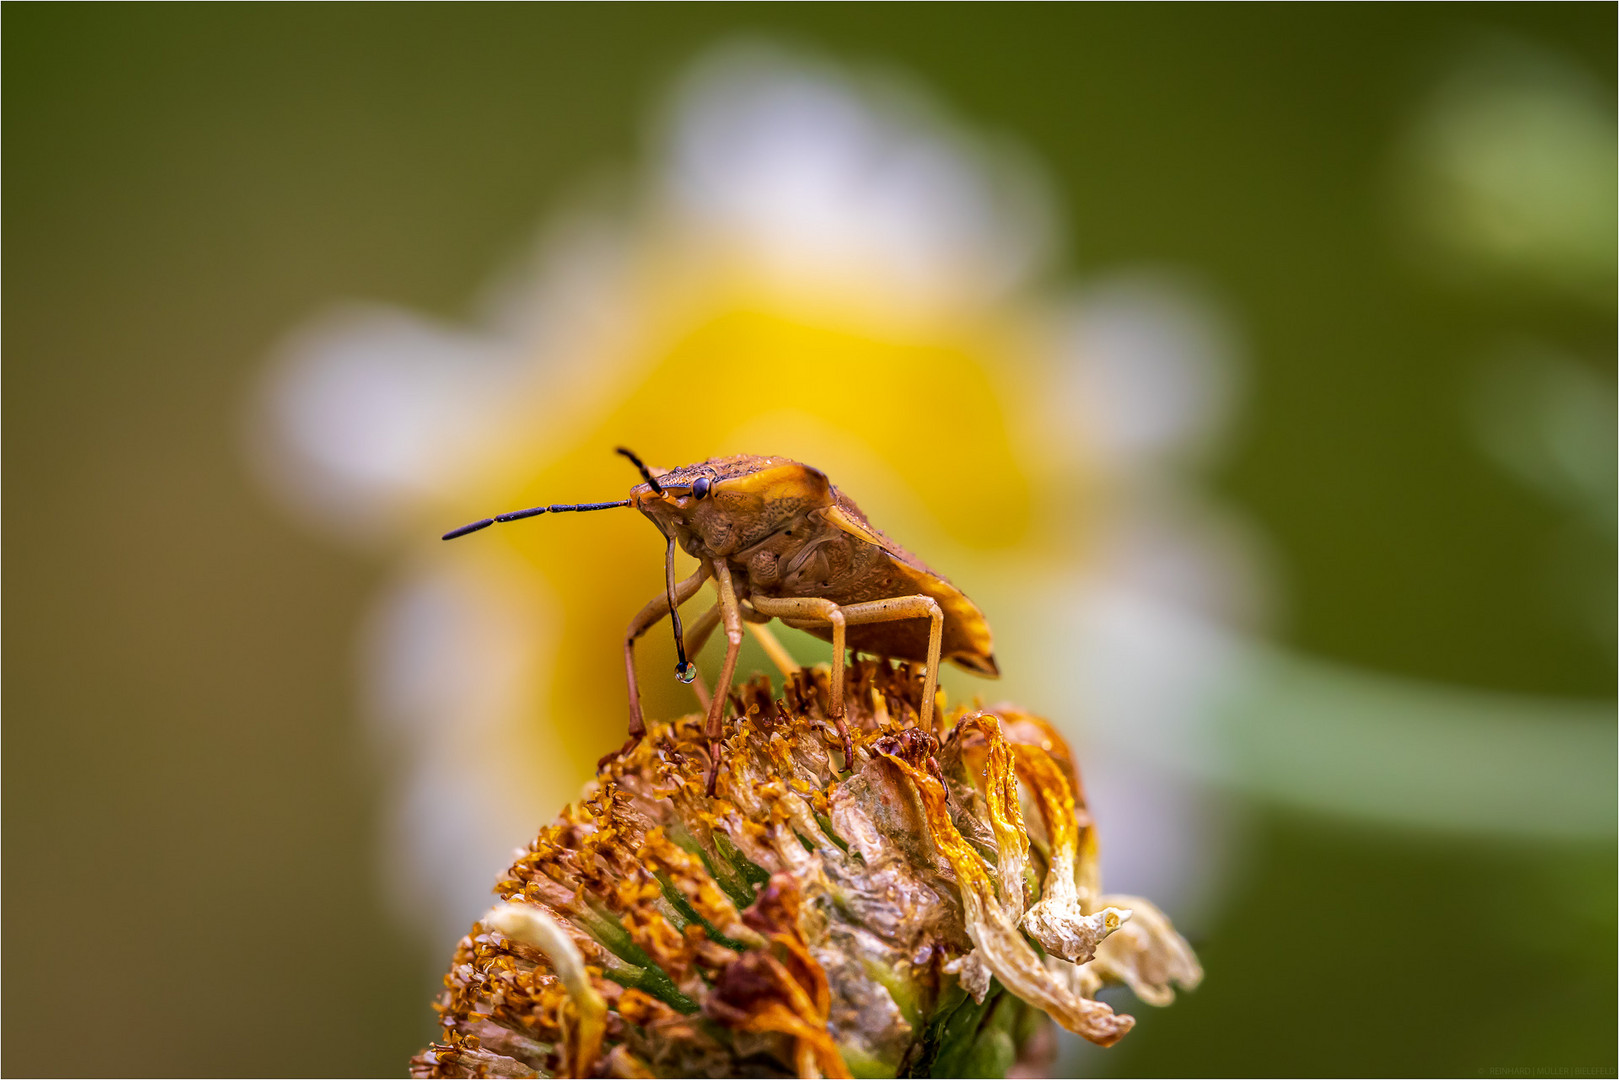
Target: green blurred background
190, 811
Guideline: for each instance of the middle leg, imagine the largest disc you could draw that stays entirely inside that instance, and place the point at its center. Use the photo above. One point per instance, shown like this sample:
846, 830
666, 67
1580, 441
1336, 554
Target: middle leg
813, 609
731, 615
909, 607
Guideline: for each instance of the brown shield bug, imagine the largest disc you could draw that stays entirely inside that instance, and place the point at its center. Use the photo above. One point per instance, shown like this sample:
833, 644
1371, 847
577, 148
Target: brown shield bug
781, 542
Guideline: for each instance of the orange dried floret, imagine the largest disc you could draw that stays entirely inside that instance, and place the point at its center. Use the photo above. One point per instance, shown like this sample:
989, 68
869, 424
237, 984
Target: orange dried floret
819, 916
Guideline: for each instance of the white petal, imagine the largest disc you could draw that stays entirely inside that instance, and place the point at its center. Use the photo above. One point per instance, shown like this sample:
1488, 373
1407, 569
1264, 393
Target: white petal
817, 177
1147, 369
368, 411
451, 663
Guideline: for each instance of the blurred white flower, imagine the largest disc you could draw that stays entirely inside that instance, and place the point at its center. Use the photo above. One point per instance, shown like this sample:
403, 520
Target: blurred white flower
794, 171
819, 264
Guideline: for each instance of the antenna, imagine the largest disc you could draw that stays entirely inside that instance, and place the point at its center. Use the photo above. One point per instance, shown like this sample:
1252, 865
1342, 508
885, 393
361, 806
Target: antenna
646, 473
533, 511
685, 670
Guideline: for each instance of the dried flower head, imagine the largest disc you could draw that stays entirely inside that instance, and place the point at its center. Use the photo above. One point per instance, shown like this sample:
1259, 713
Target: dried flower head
918, 911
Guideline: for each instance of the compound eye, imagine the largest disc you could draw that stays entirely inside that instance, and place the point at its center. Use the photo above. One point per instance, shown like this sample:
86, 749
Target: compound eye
699, 488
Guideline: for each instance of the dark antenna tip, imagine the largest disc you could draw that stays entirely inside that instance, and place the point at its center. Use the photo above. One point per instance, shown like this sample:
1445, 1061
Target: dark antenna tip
646, 473
472, 528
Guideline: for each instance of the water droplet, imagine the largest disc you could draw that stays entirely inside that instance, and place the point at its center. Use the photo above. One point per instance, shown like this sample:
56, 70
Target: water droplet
686, 672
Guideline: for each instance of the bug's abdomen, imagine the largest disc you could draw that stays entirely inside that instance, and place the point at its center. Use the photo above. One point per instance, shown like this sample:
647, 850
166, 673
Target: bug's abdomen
844, 569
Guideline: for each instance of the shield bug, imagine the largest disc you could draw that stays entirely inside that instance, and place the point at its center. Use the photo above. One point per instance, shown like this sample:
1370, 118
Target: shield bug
781, 542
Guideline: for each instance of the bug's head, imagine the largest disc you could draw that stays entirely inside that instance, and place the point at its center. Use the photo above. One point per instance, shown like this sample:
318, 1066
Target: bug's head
726, 504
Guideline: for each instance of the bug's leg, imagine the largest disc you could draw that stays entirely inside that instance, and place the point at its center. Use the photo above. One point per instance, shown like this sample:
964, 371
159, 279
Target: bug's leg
731, 615
657, 608
696, 638
908, 607
839, 654
814, 609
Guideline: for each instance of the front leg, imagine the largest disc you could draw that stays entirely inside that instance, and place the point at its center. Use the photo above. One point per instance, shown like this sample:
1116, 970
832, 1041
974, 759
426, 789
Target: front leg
656, 609
731, 616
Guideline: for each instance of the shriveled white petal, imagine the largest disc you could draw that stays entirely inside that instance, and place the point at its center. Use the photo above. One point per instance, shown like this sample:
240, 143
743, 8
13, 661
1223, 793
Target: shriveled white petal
972, 972
993, 930
530, 925
1063, 930
1147, 954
